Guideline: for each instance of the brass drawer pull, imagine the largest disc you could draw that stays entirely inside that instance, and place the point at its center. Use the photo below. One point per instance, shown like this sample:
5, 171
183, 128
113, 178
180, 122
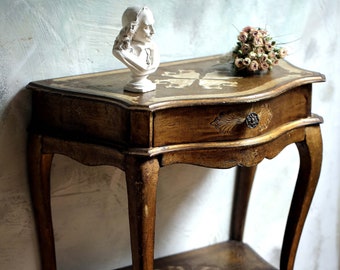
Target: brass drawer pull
252, 120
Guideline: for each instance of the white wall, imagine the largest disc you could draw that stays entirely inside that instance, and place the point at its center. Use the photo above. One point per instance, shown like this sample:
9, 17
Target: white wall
42, 39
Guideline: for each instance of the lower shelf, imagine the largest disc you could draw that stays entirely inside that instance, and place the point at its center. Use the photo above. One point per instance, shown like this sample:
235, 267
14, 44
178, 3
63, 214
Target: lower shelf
230, 255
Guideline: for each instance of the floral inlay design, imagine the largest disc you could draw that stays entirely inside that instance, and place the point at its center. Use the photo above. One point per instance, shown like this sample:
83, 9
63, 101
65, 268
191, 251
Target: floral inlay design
185, 78
180, 79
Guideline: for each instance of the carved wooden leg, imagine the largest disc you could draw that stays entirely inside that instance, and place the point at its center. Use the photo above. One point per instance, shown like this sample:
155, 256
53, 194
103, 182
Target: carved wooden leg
243, 184
39, 166
310, 152
142, 178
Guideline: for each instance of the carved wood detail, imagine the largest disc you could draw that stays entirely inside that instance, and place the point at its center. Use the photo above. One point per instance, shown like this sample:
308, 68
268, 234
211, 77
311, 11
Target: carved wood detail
226, 122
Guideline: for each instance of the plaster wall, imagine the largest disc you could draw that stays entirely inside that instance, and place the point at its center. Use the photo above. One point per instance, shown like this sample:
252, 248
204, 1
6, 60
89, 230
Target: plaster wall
42, 39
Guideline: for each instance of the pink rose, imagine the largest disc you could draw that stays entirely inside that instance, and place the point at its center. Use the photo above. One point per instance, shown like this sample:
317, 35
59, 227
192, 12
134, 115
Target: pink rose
268, 47
254, 65
246, 61
264, 66
258, 41
245, 48
247, 29
282, 52
252, 55
255, 33
243, 36
260, 50
275, 61
271, 55
263, 57
238, 62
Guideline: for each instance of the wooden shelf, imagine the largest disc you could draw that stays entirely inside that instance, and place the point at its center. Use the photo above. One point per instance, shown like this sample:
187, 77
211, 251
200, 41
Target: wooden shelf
230, 255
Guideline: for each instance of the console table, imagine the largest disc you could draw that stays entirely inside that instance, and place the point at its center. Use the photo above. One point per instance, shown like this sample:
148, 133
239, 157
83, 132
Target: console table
202, 114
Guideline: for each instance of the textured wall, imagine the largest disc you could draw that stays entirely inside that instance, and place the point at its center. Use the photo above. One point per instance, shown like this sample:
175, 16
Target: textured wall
42, 39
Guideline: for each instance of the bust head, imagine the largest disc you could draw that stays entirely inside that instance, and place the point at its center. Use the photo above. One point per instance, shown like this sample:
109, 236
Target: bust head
134, 48
137, 26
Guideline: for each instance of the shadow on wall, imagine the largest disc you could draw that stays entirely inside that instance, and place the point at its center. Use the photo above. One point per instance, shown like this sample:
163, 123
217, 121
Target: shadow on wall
18, 109
89, 206
13, 140
185, 211
16, 226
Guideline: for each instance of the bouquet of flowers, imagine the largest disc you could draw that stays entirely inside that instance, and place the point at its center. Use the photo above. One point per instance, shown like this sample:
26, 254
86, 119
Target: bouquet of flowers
256, 51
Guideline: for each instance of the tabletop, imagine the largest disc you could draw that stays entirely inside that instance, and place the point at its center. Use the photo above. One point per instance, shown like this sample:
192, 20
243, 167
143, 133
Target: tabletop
197, 81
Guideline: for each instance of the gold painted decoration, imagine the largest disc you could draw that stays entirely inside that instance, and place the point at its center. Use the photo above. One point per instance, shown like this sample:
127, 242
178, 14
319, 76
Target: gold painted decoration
258, 118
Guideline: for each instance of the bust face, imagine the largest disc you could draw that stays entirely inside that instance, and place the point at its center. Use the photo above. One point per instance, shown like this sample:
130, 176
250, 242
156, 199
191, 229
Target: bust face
145, 29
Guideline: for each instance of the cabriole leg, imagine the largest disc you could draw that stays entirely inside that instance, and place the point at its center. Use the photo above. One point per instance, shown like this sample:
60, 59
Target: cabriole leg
39, 166
243, 184
310, 151
141, 179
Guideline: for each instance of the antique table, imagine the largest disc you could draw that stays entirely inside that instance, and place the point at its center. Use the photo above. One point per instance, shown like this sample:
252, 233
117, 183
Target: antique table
202, 114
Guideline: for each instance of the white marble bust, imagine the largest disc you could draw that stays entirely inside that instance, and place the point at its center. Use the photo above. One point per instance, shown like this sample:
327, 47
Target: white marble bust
134, 47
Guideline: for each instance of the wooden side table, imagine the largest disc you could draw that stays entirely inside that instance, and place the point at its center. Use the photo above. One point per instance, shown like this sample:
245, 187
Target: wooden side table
202, 114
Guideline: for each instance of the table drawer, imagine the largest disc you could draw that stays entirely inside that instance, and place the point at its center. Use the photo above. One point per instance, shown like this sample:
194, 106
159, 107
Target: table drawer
208, 123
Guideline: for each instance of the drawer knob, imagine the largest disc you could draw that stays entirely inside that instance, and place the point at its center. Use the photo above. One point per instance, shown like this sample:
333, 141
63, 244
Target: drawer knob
252, 120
